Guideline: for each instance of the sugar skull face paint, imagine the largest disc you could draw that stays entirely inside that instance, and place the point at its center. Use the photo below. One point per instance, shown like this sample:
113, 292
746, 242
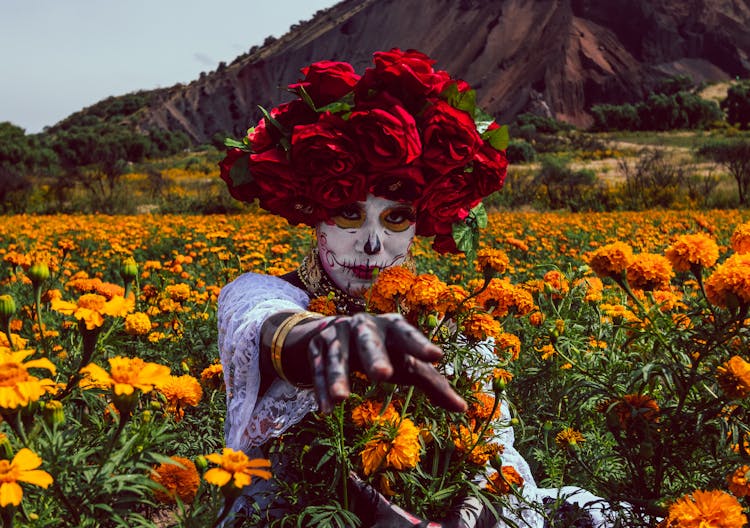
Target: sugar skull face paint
363, 237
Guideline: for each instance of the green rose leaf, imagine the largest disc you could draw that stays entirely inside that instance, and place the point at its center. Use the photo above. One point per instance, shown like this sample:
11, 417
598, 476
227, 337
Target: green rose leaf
235, 143
466, 101
498, 137
479, 214
482, 120
345, 104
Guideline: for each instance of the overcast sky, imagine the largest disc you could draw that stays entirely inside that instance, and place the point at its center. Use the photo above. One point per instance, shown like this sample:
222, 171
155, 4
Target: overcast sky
59, 56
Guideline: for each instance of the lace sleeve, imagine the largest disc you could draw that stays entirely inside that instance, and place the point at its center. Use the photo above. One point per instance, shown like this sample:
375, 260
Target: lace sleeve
252, 418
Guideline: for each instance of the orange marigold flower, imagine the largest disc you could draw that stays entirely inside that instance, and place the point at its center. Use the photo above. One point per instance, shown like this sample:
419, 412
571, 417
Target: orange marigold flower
481, 407
593, 287
177, 292
492, 260
556, 283
90, 308
508, 344
480, 325
127, 375
322, 305
569, 437
370, 412
536, 318
694, 250
452, 297
500, 482
18, 387
632, 408
235, 467
23, 468
649, 271
611, 260
738, 482
180, 479
212, 376
180, 391
425, 293
730, 279
734, 377
741, 238
706, 509
137, 323
478, 450
547, 351
390, 287
395, 446
501, 297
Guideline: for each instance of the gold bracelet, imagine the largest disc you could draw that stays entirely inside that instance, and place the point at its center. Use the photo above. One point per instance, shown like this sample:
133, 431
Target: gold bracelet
279, 336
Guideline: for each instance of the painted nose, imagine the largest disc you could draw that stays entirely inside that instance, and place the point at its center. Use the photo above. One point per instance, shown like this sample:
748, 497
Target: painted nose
372, 246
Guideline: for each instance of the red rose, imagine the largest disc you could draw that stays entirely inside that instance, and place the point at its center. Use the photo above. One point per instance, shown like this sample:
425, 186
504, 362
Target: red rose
323, 148
240, 183
387, 136
335, 191
489, 169
266, 135
295, 208
445, 201
403, 184
327, 81
445, 244
449, 137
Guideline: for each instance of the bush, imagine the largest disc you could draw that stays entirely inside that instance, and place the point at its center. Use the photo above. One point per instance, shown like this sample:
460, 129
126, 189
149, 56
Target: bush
737, 104
520, 151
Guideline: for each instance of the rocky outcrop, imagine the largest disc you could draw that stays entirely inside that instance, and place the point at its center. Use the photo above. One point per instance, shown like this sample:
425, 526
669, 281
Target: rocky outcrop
562, 55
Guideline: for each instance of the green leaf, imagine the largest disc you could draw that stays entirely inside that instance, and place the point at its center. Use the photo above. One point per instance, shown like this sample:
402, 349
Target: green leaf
466, 101
235, 143
306, 97
466, 238
482, 120
498, 137
479, 214
281, 128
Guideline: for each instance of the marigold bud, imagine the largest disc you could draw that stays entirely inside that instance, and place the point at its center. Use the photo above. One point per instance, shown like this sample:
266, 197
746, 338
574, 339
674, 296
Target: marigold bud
201, 462
499, 384
129, 269
147, 416
7, 306
38, 272
53, 412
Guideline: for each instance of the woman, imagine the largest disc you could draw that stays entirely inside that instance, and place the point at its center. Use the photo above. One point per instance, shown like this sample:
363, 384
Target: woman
370, 161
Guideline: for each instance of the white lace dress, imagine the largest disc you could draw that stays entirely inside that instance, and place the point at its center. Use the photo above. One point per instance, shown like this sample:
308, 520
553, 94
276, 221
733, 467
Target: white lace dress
252, 418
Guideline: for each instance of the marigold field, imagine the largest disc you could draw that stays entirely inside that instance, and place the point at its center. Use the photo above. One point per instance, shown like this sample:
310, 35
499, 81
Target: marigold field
627, 375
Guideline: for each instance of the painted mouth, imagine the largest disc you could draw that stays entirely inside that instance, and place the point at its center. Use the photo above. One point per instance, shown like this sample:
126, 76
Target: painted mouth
363, 272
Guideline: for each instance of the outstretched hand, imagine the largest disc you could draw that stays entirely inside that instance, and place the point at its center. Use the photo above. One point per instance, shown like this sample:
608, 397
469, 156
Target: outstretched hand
384, 347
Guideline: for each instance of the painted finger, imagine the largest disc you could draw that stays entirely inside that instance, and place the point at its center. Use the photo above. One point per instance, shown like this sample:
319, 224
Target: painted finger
435, 386
315, 354
337, 363
402, 336
367, 340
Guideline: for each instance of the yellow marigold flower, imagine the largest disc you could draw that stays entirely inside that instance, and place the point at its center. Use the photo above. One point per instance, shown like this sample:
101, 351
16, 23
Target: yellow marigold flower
569, 437
370, 412
508, 344
180, 392
611, 260
547, 351
180, 479
137, 323
91, 308
734, 377
236, 467
479, 326
500, 482
649, 271
23, 468
689, 251
17, 386
212, 376
502, 374
177, 292
706, 509
490, 259
395, 445
125, 376
391, 286
425, 292
322, 305
738, 482
478, 450
618, 312
741, 238
731, 278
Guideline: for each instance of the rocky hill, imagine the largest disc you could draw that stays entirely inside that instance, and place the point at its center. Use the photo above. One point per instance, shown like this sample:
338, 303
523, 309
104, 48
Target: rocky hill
552, 56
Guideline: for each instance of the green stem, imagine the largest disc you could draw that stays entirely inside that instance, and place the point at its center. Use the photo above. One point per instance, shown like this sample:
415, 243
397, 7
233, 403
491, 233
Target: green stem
38, 309
9, 335
89, 340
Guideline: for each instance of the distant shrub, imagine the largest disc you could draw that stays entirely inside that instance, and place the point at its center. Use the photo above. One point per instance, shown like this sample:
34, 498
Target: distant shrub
520, 151
660, 111
737, 104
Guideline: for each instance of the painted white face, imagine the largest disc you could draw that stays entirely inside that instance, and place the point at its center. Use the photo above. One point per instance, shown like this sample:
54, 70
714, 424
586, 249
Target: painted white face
362, 237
